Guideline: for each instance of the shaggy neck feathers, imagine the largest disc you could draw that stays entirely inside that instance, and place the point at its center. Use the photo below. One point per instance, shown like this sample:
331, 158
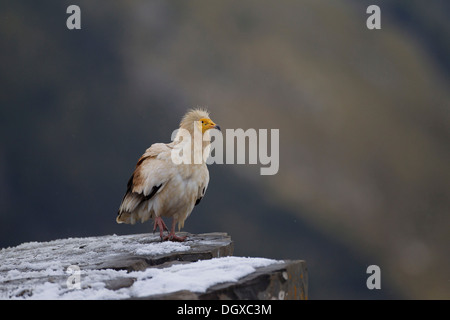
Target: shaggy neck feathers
191, 117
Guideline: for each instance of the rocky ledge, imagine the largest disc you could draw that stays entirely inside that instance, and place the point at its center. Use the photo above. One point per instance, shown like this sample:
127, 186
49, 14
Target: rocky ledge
141, 267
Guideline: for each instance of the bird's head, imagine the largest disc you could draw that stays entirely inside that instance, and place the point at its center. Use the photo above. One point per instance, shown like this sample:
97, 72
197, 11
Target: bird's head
207, 124
199, 117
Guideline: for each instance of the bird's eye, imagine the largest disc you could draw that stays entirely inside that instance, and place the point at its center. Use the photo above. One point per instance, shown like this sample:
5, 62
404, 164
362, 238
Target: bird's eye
203, 121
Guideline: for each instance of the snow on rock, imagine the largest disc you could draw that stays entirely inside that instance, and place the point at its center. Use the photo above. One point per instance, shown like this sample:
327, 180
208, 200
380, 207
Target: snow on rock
81, 251
74, 268
197, 276
161, 248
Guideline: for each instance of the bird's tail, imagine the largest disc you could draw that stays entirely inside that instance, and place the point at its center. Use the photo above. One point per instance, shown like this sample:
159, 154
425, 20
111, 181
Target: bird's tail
140, 214
124, 217
119, 218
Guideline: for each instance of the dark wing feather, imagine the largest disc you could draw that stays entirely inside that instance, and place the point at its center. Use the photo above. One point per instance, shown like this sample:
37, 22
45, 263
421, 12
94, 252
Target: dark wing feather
201, 197
137, 198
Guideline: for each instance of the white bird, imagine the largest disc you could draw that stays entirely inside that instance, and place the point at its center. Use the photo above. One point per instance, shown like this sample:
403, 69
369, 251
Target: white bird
159, 187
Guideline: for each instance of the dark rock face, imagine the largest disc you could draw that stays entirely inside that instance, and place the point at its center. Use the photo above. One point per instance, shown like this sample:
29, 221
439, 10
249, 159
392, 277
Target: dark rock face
116, 267
287, 281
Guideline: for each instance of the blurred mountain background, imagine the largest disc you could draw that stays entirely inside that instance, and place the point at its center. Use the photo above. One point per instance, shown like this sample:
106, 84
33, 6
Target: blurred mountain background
363, 115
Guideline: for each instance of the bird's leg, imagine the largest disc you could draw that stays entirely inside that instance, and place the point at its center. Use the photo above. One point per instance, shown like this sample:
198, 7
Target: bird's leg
159, 222
172, 236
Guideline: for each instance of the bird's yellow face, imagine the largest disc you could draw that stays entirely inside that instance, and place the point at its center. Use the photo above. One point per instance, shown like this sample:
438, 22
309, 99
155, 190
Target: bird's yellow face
208, 124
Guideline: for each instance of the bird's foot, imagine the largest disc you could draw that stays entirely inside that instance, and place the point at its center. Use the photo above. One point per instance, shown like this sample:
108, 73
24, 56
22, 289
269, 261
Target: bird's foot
173, 237
159, 222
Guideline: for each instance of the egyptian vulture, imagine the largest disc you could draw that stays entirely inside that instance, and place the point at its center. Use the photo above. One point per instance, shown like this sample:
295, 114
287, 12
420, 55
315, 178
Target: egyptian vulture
161, 187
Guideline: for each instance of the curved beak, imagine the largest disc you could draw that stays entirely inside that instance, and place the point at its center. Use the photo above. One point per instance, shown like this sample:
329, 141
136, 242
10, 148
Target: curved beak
217, 127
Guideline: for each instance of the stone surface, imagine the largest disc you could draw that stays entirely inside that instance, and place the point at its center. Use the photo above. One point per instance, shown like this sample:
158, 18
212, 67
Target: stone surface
201, 247
125, 267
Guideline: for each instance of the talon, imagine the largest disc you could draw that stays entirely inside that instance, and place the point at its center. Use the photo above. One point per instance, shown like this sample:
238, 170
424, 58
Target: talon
159, 222
173, 237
